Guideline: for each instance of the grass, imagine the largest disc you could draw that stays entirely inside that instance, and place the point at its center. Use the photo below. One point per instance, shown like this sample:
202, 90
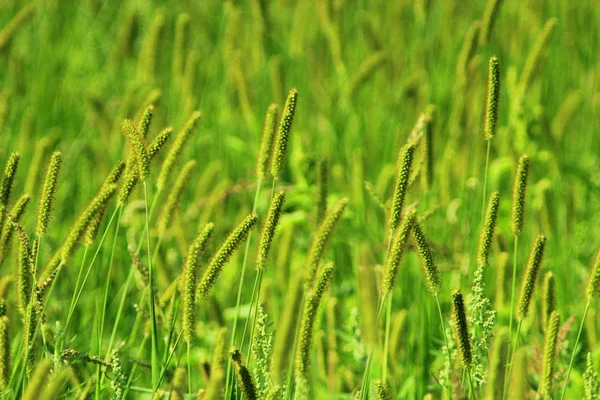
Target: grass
367, 75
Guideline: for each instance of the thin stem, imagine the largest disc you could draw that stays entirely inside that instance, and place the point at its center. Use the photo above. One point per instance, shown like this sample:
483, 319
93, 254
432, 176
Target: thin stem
512, 359
189, 369
437, 301
155, 369
240, 289
512, 309
386, 345
566, 383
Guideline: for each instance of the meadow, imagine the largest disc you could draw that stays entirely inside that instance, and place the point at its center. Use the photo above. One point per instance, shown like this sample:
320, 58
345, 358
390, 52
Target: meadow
323, 199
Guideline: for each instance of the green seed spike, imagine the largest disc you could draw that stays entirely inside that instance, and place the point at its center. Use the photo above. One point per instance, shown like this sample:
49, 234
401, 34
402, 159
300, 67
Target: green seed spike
535, 58
175, 196
190, 279
518, 200
266, 238
548, 298
468, 49
48, 193
307, 323
38, 380
323, 234
461, 331
225, 252
244, 377
145, 120
393, 264
136, 142
430, 270
15, 215
497, 366
283, 133
493, 96
150, 51
4, 352
25, 271
159, 141
404, 168
177, 148
489, 18
182, 33
217, 367
528, 285
10, 171
322, 188
266, 144
487, 231
549, 364
382, 390
593, 285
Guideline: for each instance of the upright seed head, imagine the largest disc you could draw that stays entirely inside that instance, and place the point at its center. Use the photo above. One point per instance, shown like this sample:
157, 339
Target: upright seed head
38, 380
404, 168
10, 171
244, 377
48, 193
548, 298
322, 187
136, 142
322, 237
4, 352
266, 144
393, 262
493, 96
15, 215
266, 238
25, 273
145, 120
382, 390
518, 200
461, 331
283, 133
549, 355
535, 58
489, 18
430, 270
150, 50
177, 148
182, 33
159, 141
593, 284
528, 285
190, 279
468, 49
225, 252
487, 231
175, 196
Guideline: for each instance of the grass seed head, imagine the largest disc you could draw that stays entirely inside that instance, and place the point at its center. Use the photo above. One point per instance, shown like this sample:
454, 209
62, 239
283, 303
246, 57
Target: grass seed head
266, 238
493, 96
548, 298
401, 187
393, 264
244, 377
10, 171
519, 191
549, 364
593, 284
283, 134
461, 331
266, 144
175, 196
487, 231
145, 120
428, 266
136, 142
48, 193
531, 273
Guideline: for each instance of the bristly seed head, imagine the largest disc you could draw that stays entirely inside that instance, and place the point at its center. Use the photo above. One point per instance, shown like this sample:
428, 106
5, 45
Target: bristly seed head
266, 239
266, 144
48, 193
404, 168
391, 268
493, 96
528, 285
430, 270
487, 231
461, 331
283, 134
593, 284
548, 298
549, 364
10, 171
518, 200
136, 142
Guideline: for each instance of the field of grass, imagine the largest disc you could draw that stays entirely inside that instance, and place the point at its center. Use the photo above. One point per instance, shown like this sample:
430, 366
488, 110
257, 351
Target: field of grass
322, 199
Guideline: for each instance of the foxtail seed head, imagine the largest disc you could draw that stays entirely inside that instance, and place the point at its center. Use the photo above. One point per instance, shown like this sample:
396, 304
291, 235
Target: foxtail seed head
535, 58
136, 142
182, 33
283, 133
493, 96
175, 195
190, 278
468, 49
15, 215
391, 268
159, 141
549, 355
217, 367
145, 120
9, 177
487, 231
518, 200
404, 168
430, 270
225, 252
461, 331
176, 149
322, 237
489, 17
266, 144
548, 298
48, 193
38, 380
266, 238
593, 285
497, 366
382, 390
4, 352
244, 377
528, 285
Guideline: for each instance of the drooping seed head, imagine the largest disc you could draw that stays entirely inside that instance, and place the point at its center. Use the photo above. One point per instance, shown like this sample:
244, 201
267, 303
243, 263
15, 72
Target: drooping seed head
548, 298
177, 148
404, 168
136, 142
493, 96
549, 364
266, 238
10, 171
322, 236
531, 273
48, 193
190, 279
266, 144
461, 331
519, 191
283, 134
428, 266
487, 231
393, 263
224, 253
593, 284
